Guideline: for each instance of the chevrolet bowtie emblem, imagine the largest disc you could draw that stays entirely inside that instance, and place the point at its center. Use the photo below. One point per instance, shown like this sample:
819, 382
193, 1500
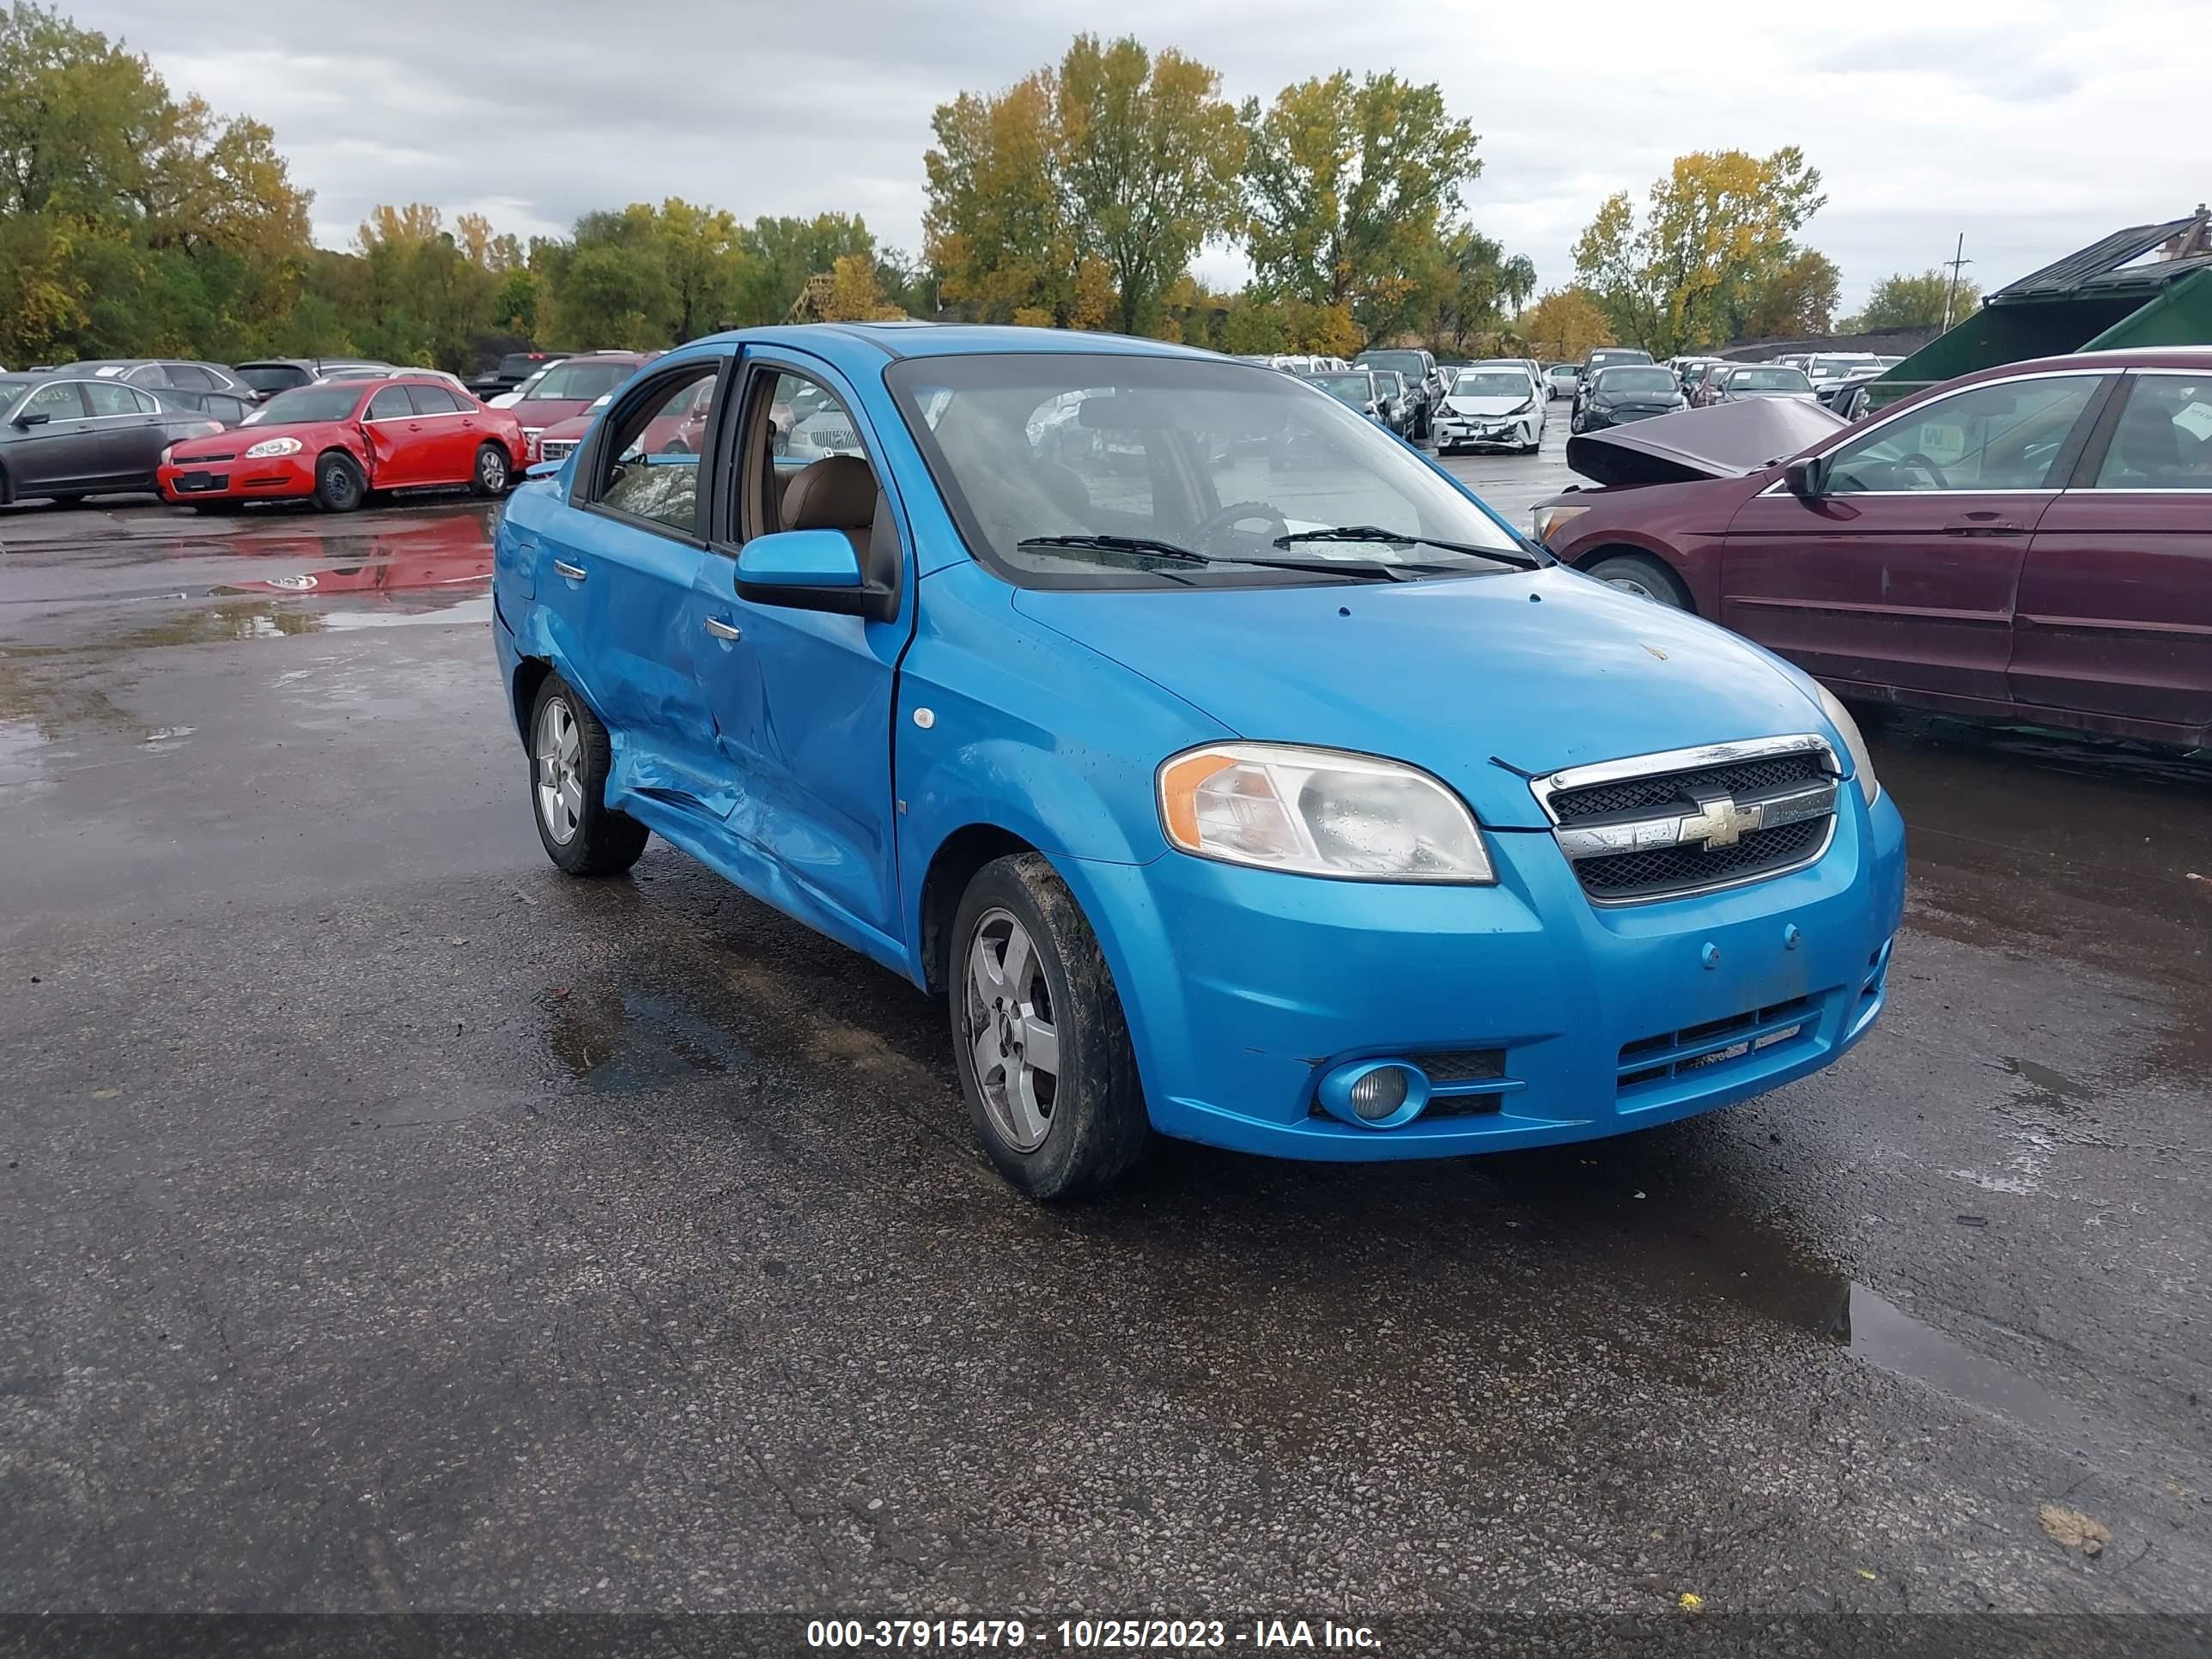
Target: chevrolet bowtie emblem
1719, 823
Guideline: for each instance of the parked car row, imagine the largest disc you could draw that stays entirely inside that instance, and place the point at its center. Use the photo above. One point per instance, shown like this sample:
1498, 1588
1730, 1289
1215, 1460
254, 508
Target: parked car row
1499, 405
2031, 542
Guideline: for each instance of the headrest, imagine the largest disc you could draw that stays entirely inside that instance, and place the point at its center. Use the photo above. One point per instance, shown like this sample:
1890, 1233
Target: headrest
837, 492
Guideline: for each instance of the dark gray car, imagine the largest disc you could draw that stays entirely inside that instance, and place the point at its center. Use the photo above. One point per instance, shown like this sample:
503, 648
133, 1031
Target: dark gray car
65, 437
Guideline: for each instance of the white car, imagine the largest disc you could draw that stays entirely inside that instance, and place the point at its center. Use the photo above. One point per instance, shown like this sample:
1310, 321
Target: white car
1492, 405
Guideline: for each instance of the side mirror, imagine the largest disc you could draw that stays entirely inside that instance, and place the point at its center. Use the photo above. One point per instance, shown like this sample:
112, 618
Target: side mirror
31, 418
811, 570
1806, 477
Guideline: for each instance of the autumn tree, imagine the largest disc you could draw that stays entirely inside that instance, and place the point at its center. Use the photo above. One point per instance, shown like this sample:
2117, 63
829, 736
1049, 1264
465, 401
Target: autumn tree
776, 256
1564, 326
1473, 286
1906, 300
1798, 298
1147, 155
1349, 186
1714, 234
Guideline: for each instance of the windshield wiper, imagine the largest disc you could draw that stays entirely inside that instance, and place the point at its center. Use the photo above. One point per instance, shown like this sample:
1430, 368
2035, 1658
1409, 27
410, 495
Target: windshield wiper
1369, 533
1119, 544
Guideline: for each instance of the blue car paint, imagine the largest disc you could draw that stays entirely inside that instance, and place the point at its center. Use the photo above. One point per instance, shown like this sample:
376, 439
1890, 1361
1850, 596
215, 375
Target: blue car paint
795, 765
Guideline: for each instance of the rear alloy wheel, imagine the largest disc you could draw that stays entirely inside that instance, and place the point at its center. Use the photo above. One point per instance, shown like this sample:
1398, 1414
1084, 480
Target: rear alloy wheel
1039, 1036
569, 759
340, 485
490, 477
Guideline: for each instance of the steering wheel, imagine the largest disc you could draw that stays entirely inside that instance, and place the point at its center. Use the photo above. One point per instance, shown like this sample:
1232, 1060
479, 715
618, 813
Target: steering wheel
1236, 513
1917, 462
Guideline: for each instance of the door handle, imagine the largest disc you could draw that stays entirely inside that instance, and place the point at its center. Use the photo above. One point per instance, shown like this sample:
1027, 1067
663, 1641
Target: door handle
575, 572
722, 631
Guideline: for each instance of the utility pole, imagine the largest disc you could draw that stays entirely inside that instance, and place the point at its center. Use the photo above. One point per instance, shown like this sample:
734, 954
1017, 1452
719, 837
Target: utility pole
1951, 294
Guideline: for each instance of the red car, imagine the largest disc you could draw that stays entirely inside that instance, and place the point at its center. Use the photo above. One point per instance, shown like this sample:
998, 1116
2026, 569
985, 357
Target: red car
335, 443
2032, 542
570, 388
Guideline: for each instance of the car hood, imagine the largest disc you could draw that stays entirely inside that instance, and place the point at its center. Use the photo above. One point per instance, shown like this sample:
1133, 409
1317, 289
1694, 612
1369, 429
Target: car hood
1721, 440
1484, 682
1486, 406
312, 434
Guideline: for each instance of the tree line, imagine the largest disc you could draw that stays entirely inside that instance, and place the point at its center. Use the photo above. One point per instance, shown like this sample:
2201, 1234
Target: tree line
135, 222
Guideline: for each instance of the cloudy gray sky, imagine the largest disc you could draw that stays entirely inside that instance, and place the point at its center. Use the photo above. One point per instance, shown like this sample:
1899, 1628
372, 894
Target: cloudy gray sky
2031, 127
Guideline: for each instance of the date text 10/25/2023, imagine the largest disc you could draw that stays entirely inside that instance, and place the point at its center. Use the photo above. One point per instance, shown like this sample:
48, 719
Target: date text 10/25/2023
1126, 1635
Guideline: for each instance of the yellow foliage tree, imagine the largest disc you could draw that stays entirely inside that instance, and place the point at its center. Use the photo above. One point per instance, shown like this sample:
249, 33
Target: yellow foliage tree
1563, 326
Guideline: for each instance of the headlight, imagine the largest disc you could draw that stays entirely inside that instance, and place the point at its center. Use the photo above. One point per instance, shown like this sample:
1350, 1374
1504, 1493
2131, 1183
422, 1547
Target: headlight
1861, 761
1319, 812
268, 446
166, 452
1553, 516
1522, 407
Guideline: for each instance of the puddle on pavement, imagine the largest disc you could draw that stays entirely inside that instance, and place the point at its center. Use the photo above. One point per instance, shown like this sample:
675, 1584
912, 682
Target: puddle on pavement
626, 1043
1884, 1334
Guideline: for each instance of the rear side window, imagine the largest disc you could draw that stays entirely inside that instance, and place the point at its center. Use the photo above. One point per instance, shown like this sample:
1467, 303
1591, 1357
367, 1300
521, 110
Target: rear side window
190, 375
432, 400
108, 398
392, 404
2164, 440
60, 400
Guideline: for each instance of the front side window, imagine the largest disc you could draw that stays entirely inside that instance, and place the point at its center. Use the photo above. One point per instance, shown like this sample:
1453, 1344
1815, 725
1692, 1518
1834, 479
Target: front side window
59, 400
2005, 436
2164, 440
1080, 470
648, 467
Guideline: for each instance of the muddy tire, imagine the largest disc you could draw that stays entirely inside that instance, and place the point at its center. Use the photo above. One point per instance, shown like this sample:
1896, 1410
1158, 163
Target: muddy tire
340, 485
569, 759
1039, 1036
492, 473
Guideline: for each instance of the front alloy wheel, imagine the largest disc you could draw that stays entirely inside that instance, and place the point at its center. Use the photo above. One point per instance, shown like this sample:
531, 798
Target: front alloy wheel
1039, 1036
1016, 1047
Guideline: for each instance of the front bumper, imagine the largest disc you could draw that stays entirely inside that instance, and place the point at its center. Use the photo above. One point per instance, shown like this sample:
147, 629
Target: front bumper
1455, 434
276, 477
1242, 987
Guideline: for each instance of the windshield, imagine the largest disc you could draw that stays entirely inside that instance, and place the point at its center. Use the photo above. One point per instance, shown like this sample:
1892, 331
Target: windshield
308, 403
1769, 379
1083, 470
1406, 362
1638, 382
1490, 383
1357, 390
272, 377
579, 382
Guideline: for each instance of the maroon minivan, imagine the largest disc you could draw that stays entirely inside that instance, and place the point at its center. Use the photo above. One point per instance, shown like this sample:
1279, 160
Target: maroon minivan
2033, 541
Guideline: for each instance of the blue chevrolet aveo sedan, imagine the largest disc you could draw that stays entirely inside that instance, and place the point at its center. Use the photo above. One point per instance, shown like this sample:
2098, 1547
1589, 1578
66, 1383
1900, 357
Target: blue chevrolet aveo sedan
1308, 810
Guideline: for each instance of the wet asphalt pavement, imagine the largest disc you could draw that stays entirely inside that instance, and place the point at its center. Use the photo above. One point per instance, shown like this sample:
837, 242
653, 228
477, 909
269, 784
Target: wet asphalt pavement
393, 1223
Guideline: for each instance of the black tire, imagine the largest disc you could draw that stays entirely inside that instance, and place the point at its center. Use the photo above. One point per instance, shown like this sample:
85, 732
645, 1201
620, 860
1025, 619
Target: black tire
492, 473
340, 486
1575, 425
1096, 1130
600, 841
1641, 574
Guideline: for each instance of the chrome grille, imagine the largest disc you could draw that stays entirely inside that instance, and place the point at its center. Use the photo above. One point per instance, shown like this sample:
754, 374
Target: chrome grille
556, 449
1692, 820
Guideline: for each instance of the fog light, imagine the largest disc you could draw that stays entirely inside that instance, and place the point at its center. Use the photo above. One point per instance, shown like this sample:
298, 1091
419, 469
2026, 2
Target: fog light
1379, 1093
1375, 1094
